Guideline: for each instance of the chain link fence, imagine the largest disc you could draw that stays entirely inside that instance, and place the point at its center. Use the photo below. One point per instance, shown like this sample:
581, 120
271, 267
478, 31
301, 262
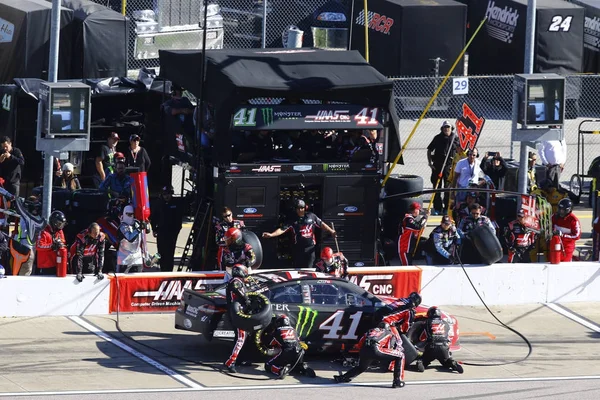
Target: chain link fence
178, 24
491, 98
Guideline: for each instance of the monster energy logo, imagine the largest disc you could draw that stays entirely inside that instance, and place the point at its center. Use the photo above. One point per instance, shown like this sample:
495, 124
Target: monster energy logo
267, 115
306, 314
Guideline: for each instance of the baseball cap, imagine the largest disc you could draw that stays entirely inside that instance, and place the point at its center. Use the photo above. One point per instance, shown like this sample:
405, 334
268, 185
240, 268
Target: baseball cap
446, 219
446, 123
134, 137
114, 135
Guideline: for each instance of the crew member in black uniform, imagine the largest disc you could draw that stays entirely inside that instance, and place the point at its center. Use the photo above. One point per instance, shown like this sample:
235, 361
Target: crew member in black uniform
435, 338
167, 219
224, 224
519, 239
332, 263
303, 228
89, 252
469, 254
237, 291
286, 349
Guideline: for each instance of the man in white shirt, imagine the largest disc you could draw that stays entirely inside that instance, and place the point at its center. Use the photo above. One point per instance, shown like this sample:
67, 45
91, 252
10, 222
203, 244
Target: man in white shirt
553, 154
466, 173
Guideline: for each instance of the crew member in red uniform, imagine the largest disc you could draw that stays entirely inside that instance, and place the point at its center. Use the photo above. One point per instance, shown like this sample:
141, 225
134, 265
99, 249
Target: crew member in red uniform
332, 263
235, 251
236, 291
567, 226
50, 241
519, 239
88, 252
303, 228
409, 230
222, 226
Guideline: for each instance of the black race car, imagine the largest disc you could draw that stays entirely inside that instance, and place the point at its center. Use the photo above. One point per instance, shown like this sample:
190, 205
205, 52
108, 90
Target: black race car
329, 313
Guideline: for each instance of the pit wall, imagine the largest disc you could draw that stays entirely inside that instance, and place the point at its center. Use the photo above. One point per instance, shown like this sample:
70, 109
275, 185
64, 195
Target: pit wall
499, 284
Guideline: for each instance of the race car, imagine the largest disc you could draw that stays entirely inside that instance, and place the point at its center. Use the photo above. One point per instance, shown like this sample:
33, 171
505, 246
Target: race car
329, 313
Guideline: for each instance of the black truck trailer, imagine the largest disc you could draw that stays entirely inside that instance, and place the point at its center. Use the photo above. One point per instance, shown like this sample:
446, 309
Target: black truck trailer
287, 93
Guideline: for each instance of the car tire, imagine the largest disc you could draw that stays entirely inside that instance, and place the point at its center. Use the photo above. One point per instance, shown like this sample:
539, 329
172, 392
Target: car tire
253, 240
487, 244
398, 184
61, 197
410, 352
259, 319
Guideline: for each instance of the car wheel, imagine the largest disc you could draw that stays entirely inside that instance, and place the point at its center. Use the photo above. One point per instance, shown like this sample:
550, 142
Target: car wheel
253, 240
259, 316
487, 244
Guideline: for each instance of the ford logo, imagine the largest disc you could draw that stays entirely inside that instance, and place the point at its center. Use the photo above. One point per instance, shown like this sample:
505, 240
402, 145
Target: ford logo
359, 264
302, 168
369, 166
350, 209
249, 210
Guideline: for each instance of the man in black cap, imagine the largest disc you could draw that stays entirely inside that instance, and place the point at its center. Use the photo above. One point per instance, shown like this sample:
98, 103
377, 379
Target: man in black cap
303, 228
105, 160
137, 156
166, 220
442, 150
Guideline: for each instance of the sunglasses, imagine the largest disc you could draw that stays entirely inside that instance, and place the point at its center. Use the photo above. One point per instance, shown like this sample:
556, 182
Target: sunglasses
226, 215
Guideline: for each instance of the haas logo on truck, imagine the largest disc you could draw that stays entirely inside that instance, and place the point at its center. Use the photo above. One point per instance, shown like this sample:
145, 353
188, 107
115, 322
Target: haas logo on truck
268, 168
377, 22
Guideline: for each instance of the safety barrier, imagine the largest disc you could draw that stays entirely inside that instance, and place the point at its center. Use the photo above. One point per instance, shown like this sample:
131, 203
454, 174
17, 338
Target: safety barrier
499, 284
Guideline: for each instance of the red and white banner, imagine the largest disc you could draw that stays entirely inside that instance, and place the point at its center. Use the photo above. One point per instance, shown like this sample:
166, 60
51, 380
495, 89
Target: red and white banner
162, 292
532, 220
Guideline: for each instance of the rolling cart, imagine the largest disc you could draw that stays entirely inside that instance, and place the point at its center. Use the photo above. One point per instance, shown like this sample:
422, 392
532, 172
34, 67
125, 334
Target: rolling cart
577, 184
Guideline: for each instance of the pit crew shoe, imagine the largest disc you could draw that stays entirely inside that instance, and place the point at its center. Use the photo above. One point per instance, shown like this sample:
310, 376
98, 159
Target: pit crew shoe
398, 384
284, 372
232, 369
341, 379
420, 366
457, 367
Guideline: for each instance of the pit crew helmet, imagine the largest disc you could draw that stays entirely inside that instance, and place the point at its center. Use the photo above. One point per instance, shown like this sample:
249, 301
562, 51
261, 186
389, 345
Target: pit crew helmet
433, 312
57, 220
327, 256
282, 320
233, 236
565, 206
299, 203
239, 271
415, 298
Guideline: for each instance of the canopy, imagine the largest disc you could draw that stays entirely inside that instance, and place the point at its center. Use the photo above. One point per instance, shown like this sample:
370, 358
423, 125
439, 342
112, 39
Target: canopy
236, 75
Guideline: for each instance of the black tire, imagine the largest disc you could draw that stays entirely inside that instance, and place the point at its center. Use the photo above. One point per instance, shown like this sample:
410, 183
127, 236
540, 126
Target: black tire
506, 208
260, 317
61, 197
410, 352
575, 188
398, 184
253, 240
487, 244
90, 199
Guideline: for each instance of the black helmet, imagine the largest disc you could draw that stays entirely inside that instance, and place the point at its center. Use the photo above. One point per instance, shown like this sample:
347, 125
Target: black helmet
415, 298
57, 220
433, 312
383, 325
239, 271
565, 206
299, 203
282, 320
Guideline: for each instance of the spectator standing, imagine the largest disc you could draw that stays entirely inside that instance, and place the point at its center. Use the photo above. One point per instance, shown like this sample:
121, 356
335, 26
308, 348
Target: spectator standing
105, 163
466, 173
11, 162
443, 144
68, 180
136, 155
494, 166
166, 219
553, 154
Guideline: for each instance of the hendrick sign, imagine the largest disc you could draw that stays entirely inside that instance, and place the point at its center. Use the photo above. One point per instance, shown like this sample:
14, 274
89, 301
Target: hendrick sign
303, 117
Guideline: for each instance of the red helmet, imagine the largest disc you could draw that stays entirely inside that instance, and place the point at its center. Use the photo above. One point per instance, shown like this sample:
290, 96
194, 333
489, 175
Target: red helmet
327, 255
239, 271
414, 206
119, 157
233, 235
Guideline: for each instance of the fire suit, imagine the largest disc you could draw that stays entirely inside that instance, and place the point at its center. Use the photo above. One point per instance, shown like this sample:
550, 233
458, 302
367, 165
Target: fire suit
378, 344
338, 268
437, 343
570, 231
89, 252
227, 257
407, 240
519, 240
47, 247
287, 351
130, 247
443, 244
236, 291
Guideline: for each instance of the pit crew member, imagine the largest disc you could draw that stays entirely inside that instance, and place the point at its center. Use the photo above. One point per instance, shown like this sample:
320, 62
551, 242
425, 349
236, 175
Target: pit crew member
235, 251
332, 263
226, 222
237, 291
436, 342
567, 226
443, 243
519, 239
49, 243
89, 251
409, 230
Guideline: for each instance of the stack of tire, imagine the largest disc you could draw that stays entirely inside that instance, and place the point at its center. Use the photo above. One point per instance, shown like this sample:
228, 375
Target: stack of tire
395, 208
87, 206
61, 198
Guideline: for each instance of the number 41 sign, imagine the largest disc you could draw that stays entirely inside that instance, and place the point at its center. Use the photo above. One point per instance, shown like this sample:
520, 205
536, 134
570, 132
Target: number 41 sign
460, 85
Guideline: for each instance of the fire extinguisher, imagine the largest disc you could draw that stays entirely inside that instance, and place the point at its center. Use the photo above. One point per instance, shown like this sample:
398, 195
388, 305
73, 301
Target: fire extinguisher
61, 262
556, 249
